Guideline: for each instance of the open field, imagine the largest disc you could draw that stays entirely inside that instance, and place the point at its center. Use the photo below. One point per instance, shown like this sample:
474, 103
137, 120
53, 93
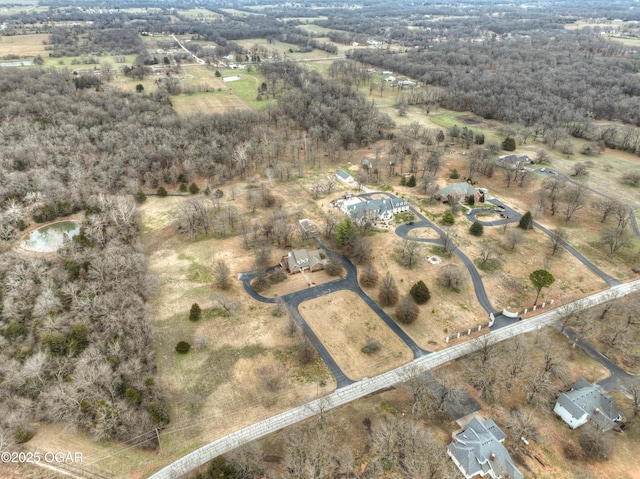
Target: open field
208, 103
240, 13
201, 14
24, 45
344, 322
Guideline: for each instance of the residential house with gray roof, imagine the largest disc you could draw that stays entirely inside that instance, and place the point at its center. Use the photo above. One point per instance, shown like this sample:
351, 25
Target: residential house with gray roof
514, 162
300, 259
459, 192
586, 402
478, 451
371, 211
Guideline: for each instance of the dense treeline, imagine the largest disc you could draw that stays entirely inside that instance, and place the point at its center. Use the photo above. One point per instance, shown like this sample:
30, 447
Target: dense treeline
331, 111
75, 41
76, 346
540, 82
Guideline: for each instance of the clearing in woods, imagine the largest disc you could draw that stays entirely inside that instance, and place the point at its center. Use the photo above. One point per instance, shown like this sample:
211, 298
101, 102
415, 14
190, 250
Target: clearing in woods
23, 45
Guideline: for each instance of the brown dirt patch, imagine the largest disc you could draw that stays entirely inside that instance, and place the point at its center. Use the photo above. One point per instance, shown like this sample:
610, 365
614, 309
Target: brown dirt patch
343, 322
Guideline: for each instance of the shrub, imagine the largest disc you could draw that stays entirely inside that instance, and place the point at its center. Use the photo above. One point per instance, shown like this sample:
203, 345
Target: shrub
448, 218
526, 222
407, 311
140, 197
454, 175
388, 295
158, 413
162, 191
183, 347
334, 265
411, 183
193, 189
372, 346
183, 188
196, 313
369, 276
476, 229
509, 144
23, 435
420, 293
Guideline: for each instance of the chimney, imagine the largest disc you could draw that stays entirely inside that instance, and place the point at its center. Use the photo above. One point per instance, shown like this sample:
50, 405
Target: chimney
492, 457
596, 410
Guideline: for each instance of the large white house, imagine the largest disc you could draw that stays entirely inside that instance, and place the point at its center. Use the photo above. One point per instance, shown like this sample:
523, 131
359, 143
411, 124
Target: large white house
381, 209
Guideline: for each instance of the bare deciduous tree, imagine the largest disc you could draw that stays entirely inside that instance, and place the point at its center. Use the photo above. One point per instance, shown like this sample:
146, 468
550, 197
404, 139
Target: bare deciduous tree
388, 294
451, 276
513, 238
557, 239
575, 199
369, 276
410, 253
221, 275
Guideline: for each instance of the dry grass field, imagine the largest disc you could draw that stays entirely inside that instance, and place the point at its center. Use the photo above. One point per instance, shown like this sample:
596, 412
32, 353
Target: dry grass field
23, 45
344, 322
208, 103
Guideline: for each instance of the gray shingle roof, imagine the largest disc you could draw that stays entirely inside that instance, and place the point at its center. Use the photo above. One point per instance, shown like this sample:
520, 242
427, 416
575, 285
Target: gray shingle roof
461, 188
588, 398
479, 449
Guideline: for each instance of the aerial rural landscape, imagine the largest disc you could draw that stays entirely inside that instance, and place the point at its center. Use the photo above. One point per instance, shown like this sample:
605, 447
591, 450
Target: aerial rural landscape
319, 239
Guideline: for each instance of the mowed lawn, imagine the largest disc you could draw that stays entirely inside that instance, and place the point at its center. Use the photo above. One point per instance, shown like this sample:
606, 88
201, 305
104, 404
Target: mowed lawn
24, 45
211, 102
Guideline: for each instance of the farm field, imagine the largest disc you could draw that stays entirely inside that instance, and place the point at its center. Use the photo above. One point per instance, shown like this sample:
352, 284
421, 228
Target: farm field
24, 46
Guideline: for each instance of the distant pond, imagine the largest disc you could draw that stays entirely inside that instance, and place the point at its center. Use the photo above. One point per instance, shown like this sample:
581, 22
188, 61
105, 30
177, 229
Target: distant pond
21, 63
47, 239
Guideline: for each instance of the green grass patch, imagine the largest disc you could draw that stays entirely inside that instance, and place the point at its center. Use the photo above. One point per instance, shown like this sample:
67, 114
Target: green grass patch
199, 273
404, 217
488, 266
214, 312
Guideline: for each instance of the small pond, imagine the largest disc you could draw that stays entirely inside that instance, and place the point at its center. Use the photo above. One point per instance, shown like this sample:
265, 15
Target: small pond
22, 63
48, 239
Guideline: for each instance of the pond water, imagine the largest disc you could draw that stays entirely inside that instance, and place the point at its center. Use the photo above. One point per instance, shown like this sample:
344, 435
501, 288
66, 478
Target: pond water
48, 239
22, 63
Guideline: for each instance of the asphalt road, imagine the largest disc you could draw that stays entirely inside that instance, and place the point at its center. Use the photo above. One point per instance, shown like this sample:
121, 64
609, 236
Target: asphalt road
369, 386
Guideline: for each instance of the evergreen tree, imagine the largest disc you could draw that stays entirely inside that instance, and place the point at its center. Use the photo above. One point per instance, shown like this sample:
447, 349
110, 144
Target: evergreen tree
476, 229
140, 197
454, 175
196, 313
345, 232
526, 222
448, 218
412, 181
162, 191
420, 293
509, 144
193, 189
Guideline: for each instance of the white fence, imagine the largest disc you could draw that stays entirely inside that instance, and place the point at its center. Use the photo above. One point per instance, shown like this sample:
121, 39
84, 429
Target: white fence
369, 386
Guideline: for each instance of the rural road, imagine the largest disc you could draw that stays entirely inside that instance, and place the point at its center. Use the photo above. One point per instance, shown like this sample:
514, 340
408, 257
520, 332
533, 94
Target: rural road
365, 387
200, 61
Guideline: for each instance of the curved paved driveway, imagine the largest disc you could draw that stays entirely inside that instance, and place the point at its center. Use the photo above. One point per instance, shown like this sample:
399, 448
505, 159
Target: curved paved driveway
349, 282
423, 222
369, 386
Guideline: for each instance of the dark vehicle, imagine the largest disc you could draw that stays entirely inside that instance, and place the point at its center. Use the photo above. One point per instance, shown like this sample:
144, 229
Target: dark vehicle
410, 223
